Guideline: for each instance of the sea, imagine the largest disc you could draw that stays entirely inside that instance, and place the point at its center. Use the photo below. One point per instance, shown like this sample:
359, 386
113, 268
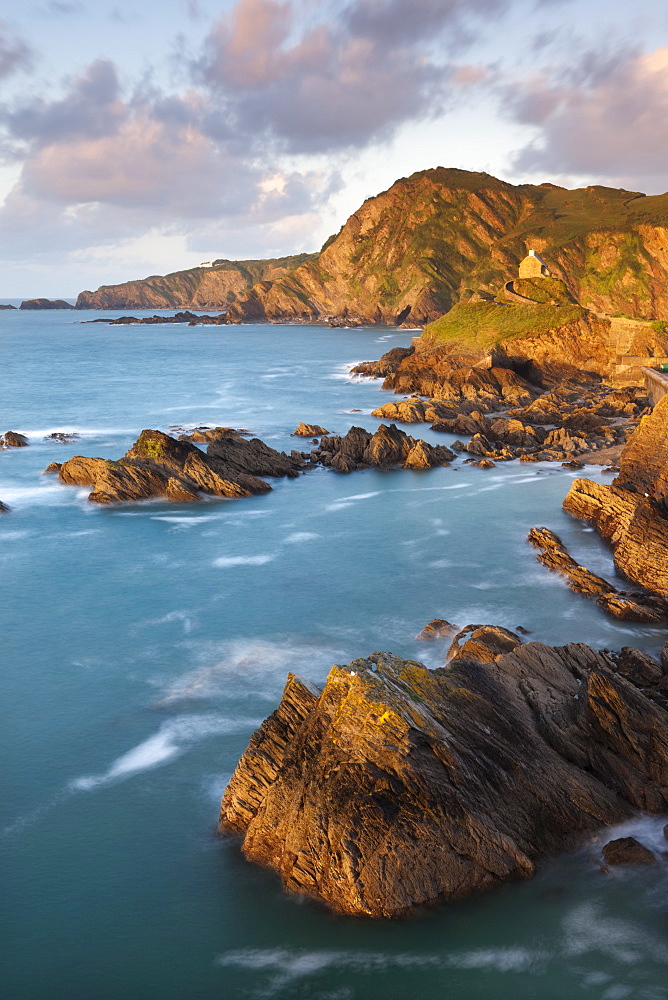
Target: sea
143, 644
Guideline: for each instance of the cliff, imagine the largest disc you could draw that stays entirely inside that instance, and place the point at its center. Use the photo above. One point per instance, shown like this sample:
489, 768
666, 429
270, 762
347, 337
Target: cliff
434, 239
632, 512
397, 786
197, 288
440, 236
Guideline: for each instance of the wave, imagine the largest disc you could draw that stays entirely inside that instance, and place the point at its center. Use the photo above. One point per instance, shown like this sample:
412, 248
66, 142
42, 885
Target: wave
225, 561
300, 536
172, 739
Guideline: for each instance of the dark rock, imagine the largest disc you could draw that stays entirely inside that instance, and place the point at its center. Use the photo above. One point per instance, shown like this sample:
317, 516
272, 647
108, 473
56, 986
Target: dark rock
627, 851
387, 447
6, 306
203, 435
4, 509
62, 437
45, 304
638, 667
10, 439
397, 786
438, 628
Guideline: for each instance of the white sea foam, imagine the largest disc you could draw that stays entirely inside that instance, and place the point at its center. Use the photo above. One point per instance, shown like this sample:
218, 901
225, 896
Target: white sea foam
287, 966
187, 618
587, 928
174, 738
247, 664
23, 496
440, 564
363, 496
339, 505
300, 536
243, 560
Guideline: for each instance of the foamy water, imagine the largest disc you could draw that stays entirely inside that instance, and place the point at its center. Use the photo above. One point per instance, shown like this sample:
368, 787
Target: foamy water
142, 646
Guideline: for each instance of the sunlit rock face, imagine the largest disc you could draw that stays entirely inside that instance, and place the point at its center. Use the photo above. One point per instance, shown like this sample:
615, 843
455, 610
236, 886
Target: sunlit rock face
397, 786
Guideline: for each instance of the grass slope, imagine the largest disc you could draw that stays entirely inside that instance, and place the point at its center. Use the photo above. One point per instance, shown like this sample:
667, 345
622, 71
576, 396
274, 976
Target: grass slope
484, 324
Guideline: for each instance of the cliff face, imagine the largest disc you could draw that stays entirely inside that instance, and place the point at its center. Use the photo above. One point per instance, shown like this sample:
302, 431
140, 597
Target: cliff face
431, 240
632, 513
198, 288
397, 786
441, 235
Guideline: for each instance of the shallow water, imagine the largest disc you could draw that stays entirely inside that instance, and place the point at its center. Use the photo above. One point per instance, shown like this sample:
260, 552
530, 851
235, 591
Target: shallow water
144, 644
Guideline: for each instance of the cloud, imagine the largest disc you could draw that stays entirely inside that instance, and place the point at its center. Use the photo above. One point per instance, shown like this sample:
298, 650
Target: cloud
340, 83
604, 115
14, 53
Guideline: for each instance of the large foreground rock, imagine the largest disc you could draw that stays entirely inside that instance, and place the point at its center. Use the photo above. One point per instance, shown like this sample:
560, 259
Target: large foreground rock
398, 786
159, 466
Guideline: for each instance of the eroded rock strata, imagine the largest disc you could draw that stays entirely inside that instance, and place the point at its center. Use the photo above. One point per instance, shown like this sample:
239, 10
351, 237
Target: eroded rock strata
159, 466
636, 606
388, 446
632, 512
397, 786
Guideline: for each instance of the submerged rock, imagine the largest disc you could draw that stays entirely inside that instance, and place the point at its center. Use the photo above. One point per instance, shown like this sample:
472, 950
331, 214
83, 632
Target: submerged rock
397, 786
157, 465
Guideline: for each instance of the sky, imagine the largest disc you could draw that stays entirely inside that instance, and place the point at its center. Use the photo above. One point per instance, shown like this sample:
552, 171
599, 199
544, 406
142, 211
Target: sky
144, 137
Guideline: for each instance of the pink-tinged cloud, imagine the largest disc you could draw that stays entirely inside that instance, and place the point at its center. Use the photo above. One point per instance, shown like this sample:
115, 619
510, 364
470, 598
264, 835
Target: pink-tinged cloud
611, 121
347, 81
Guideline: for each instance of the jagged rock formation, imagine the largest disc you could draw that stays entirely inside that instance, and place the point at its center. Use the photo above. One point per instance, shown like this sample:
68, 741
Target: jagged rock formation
398, 786
635, 607
157, 465
590, 417
632, 513
388, 446
197, 288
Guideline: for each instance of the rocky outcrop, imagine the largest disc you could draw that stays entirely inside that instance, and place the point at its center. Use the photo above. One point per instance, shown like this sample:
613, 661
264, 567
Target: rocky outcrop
386, 364
11, 439
485, 643
627, 851
397, 786
159, 466
46, 304
387, 447
180, 317
309, 430
635, 607
437, 628
632, 513
4, 509
61, 437
6, 305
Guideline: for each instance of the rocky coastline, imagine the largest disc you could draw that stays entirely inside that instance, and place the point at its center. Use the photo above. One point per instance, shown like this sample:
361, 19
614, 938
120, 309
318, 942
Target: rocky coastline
396, 787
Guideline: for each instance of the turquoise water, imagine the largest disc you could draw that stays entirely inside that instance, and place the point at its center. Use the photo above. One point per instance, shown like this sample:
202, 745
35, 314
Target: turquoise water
144, 644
